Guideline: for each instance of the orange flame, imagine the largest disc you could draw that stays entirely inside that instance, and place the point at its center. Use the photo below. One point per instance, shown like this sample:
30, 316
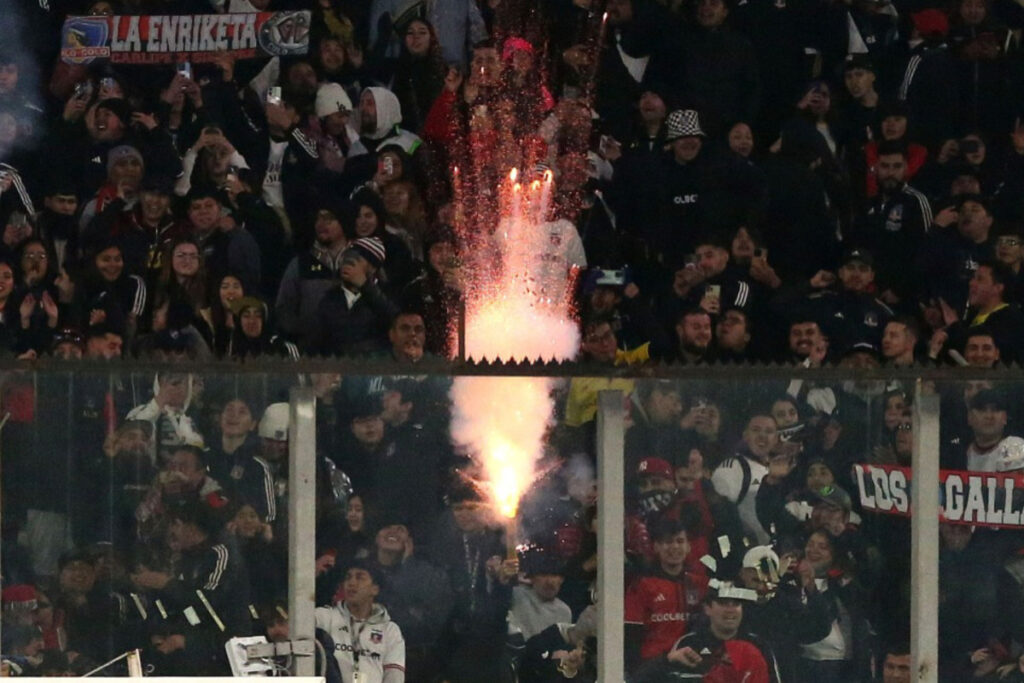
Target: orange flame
521, 312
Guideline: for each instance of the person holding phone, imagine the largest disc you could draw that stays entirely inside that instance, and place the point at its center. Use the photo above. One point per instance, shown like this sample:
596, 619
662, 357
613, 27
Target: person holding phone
337, 133
354, 316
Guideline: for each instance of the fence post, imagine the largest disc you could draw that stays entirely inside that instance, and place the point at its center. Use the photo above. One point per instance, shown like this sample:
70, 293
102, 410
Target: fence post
924, 530
610, 536
302, 522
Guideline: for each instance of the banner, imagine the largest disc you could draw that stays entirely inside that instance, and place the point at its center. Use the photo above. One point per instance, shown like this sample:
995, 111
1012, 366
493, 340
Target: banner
975, 498
158, 39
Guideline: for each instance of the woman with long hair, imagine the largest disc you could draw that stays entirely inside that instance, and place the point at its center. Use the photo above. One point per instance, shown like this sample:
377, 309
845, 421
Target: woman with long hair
8, 318
419, 73
844, 654
369, 219
404, 204
227, 291
183, 280
107, 295
38, 296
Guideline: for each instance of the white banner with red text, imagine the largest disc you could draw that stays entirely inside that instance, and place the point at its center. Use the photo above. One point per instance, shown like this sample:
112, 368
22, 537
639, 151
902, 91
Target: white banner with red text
167, 39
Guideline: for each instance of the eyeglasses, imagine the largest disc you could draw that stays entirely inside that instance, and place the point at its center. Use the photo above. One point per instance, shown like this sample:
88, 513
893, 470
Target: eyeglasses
1009, 241
904, 427
35, 256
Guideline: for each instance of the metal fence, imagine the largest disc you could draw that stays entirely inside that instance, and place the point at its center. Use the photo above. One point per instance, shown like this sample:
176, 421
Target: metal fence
883, 575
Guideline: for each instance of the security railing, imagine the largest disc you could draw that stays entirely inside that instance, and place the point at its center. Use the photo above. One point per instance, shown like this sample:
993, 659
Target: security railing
676, 521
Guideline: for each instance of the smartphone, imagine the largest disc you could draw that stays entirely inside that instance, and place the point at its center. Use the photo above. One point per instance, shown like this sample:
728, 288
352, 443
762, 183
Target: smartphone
19, 220
184, 69
714, 292
388, 165
274, 95
83, 90
690, 261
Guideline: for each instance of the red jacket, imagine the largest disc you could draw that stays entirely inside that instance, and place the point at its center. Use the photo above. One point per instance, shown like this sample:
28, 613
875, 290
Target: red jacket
665, 607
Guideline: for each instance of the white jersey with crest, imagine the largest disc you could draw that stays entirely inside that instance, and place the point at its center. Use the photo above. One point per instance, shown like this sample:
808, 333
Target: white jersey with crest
370, 651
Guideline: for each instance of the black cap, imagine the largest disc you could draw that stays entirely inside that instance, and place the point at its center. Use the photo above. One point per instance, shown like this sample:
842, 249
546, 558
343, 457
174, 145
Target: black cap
858, 61
893, 108
858, 254
77, 555
157, 183
198, 514
463, 492
962, 199
204, 190
537, 560
988, 397
364, 406
171, 341
118, 107
862, 347
331, 202
68, 335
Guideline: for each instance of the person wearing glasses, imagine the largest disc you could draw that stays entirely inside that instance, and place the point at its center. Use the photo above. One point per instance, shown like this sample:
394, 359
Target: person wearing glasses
36, 297
1010, 251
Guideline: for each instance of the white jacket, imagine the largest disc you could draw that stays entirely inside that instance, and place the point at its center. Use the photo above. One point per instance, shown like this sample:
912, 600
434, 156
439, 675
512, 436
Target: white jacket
377, 641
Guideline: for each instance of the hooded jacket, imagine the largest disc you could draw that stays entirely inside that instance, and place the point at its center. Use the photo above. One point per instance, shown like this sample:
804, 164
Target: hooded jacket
375, 646
169, 423
387, 132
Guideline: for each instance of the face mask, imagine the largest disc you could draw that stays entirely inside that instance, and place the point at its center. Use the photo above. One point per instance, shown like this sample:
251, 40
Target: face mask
654, 501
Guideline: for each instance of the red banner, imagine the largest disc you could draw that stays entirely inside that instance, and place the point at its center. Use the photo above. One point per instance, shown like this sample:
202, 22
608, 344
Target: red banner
976, 498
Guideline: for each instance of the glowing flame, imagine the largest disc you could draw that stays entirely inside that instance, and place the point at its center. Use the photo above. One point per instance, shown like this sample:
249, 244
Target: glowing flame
521, 311
505, 420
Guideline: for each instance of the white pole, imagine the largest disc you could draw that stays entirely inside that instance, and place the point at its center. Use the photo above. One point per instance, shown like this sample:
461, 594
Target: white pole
301, 522
610, 537
924, 530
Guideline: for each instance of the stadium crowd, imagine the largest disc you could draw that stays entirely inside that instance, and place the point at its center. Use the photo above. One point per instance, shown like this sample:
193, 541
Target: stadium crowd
797, 181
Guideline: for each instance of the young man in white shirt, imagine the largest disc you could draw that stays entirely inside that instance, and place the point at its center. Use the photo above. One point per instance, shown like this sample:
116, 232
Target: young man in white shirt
368, 646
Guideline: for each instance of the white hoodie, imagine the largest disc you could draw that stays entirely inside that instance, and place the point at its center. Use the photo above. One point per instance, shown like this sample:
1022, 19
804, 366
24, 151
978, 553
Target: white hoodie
184, 428
389, 116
